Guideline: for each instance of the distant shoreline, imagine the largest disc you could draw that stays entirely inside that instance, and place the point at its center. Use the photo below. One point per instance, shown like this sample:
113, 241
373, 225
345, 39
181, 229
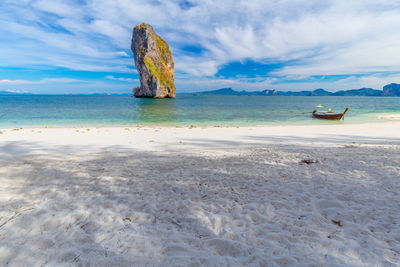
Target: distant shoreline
392, 89
247, 93
389, 90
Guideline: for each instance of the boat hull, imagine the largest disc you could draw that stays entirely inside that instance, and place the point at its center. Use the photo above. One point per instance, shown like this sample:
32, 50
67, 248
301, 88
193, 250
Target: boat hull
327, 116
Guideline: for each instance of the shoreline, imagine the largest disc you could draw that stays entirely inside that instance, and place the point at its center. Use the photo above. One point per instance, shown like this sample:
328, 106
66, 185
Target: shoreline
379, 118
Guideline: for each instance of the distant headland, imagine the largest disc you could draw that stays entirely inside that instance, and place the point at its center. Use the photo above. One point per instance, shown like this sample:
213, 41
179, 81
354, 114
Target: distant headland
392, 89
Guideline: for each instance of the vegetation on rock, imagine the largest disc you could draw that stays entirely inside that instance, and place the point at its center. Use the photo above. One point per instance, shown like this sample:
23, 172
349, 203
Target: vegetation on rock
154, 62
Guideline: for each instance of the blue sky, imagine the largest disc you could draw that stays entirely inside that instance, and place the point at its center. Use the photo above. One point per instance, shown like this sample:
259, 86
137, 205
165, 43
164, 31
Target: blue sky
83, 46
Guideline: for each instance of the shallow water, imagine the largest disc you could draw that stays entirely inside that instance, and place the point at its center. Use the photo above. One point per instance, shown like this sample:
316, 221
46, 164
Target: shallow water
71, 110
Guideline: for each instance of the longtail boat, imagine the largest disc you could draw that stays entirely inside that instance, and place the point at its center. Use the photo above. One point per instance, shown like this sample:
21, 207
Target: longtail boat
329, 115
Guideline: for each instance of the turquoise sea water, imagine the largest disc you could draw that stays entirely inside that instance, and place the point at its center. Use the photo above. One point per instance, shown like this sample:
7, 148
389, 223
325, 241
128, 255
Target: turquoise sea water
41, 110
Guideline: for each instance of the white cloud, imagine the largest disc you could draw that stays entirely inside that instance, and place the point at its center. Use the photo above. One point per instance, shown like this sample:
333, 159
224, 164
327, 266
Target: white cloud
16, 91
316, 37
378, 81
58, 7
60, 80
14, 82
42, 81
121, 54
121, 79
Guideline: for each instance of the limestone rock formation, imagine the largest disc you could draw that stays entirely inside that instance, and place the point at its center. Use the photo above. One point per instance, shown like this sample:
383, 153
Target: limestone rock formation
154, 63
392, 89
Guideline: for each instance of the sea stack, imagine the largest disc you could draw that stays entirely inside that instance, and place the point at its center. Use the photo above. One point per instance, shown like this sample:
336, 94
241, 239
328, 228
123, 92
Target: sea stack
154, 63
392, 89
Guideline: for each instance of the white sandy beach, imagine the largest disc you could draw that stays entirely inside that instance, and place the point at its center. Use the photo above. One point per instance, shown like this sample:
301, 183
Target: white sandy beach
319, 195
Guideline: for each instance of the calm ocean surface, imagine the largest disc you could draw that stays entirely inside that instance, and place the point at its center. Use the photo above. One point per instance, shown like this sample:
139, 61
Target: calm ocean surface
41, 110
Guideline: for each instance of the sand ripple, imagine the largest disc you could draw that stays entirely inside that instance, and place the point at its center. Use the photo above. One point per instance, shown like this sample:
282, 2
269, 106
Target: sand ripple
247, 207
